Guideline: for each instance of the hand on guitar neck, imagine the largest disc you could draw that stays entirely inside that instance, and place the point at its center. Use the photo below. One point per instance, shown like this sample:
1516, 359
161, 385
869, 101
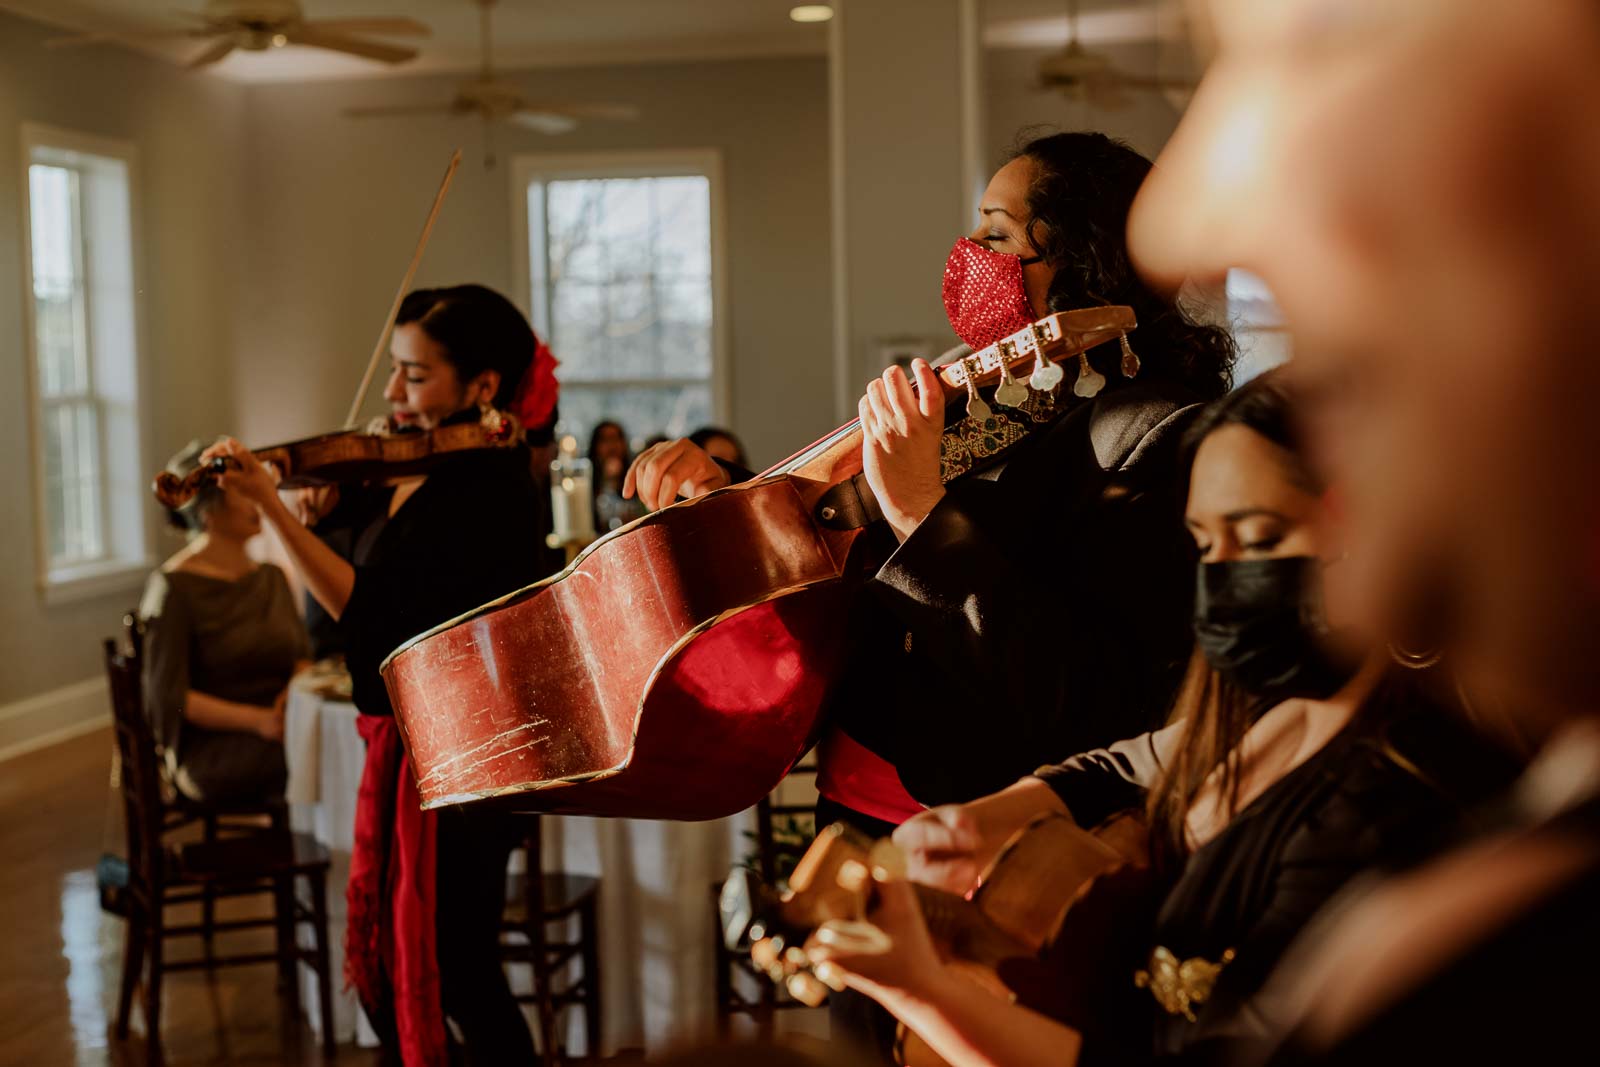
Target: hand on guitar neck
900, 432
851, 919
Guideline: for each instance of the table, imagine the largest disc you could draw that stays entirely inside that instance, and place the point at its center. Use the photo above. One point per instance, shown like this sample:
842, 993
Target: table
325, 754
655, 916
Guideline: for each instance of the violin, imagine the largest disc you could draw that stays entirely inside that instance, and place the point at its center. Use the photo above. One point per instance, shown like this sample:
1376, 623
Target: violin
354, 455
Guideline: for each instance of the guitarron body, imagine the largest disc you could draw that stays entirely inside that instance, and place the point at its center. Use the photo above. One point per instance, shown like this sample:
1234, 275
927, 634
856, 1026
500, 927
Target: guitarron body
685, 662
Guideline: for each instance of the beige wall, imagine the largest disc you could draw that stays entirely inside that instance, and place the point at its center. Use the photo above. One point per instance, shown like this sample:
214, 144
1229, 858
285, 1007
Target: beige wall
274, 232
1015, 104
337, 204
187, 133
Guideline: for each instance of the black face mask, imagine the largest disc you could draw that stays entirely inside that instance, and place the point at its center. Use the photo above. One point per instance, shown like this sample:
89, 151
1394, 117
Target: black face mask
1258, 623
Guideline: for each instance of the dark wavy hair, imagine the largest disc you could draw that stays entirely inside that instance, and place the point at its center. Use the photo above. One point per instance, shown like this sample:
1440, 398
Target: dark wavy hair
594, 446
478, 329
1078, 205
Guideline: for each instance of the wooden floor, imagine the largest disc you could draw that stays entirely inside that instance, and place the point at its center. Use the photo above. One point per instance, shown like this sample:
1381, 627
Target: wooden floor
63, 955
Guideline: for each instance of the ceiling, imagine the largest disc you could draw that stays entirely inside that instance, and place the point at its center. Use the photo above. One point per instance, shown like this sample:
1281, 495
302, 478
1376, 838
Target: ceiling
535, 33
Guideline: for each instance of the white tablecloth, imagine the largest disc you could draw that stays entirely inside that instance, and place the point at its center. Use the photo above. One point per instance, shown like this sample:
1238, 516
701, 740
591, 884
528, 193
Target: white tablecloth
325, 754
656, 923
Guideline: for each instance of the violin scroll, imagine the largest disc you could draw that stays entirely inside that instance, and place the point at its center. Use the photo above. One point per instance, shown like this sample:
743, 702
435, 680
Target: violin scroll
173, 491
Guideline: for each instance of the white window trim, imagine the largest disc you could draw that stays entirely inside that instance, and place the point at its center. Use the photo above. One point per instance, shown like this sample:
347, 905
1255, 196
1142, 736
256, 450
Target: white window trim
527, 168
72, 584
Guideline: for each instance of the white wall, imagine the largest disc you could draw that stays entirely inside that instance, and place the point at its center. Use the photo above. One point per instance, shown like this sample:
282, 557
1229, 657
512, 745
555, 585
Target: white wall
1015, 103
187, 132
275, 232
337, 204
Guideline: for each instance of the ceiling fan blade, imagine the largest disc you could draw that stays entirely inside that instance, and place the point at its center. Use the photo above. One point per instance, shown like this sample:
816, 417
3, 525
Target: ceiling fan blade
383, 110
381, 27
211, 53
541, 121
1141, 81
618, 112
82, 39
354, 46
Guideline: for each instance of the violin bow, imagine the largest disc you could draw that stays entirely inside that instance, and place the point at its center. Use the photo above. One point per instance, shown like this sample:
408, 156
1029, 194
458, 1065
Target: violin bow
400, 294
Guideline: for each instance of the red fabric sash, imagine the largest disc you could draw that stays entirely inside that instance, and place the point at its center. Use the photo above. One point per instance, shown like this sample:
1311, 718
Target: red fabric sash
851, 774
390, 898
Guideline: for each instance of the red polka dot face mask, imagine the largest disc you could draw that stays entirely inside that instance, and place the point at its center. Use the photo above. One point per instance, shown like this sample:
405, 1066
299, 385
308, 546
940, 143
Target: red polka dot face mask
984, 294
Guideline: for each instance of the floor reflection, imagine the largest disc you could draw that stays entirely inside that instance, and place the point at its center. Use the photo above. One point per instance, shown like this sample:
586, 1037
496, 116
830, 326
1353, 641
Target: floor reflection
83, 948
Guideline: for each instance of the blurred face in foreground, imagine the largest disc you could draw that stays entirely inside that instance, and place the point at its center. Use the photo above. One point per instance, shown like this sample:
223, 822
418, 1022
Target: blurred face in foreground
1419, 184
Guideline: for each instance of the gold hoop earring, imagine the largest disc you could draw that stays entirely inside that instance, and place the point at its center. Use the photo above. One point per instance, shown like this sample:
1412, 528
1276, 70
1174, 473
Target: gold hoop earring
1415, 661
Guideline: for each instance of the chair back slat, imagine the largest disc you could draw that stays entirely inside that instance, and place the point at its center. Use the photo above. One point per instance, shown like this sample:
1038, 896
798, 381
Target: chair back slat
140, 771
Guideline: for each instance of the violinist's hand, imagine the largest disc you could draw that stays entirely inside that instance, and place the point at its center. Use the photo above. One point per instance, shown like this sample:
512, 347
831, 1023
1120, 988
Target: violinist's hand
310, 503
251, 477
889, 956
900, 444
664, 472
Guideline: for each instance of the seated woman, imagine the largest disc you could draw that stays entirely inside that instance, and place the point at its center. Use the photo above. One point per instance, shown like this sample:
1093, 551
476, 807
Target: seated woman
720, 445
609, 457
223, 639
1297, 755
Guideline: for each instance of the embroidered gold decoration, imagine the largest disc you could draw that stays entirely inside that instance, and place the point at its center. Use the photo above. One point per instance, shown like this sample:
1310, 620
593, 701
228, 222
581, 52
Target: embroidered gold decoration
971, 441
1178, 985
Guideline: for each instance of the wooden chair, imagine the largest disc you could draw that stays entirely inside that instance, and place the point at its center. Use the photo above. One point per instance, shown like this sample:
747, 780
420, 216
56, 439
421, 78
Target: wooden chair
536, 901
768, 998
216, 821
162, 874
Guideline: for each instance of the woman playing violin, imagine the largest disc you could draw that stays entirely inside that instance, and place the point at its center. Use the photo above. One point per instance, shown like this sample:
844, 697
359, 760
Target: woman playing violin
426, 888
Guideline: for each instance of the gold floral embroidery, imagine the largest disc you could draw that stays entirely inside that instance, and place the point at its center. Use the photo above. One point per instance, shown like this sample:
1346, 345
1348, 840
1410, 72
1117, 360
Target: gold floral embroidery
1177, 984
971, 442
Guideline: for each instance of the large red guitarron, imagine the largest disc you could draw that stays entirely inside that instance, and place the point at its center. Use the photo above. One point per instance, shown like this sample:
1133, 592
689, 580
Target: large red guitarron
678, 668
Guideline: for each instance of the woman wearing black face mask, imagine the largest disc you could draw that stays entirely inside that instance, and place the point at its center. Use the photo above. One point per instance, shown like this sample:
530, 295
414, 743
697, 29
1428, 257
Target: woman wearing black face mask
1298, 754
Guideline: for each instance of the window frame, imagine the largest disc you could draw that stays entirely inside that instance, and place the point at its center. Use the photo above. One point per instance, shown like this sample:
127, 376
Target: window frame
125, 560
1246, 329
529, 167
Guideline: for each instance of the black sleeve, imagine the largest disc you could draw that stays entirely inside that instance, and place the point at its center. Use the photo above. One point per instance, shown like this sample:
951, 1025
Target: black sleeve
1098, 784
459, 552
1052, 611
1380, 816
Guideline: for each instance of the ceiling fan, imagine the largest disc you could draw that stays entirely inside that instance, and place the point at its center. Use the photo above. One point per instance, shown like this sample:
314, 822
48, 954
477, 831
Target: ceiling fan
259, 25
1092, 76
497, 98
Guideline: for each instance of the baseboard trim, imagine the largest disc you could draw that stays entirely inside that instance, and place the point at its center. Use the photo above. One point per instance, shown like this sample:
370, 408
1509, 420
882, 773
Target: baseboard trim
52, 717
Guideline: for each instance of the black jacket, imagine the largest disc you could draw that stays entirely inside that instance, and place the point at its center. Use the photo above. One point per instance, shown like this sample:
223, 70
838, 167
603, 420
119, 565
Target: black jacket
1040, 610
473, 532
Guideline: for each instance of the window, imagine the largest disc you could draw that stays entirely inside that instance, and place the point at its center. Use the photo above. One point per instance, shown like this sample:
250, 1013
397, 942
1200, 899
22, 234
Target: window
1257, 326
80, 288
622, 277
